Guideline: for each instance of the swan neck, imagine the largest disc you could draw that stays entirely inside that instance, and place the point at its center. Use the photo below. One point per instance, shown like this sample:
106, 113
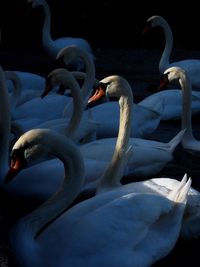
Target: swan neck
114, 172
89, 80
5, 125
66, 151
165, 58
186, 121
46, 30
78, 107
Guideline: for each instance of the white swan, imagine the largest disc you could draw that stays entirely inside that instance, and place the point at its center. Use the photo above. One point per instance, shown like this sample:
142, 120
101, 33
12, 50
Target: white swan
112, 229
76, 127
192, 66
52, 107
189, 142
172, 103
138, 164
52, 47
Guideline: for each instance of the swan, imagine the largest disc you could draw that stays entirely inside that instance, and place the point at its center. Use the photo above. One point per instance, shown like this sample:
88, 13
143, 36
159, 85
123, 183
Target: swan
76, 127
159, 153
38, 110
192, 66
105, 129
52, 47
189, 142
113, 229
172, 103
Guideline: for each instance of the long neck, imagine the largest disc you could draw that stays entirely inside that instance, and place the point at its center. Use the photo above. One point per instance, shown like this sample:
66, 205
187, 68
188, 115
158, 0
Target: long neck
46, 30
78, 107
164, 61
16, 94
5, 125
67, 152
186, 121
115, 169
89, 80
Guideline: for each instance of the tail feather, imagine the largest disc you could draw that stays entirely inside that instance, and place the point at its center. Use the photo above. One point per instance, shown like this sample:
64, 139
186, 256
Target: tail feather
179, 194
176, 140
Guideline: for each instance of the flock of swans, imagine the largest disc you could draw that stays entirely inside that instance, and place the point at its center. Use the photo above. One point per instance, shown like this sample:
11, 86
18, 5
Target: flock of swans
55, 146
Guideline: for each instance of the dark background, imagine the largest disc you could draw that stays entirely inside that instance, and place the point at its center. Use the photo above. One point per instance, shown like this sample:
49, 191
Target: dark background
113, 23
114, 30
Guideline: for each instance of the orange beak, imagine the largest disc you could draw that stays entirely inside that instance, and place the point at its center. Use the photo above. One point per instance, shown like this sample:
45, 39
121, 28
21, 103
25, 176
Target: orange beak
164, 81
99, 93
46, 90
16, 166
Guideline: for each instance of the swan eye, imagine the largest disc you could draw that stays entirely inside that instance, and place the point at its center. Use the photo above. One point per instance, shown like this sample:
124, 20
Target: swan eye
17, 153
103, 85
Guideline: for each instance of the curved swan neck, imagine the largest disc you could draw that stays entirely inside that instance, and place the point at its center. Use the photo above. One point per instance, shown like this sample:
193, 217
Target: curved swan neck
5, 125
78, 104
90, 76
67, 152
114, 172
186, 121
46, 30
165, 58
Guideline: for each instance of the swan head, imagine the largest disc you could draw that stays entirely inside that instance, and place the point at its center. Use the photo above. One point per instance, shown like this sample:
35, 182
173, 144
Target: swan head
61, 78
155, 21
111, 86
172, 74
36, 3
55, 78
70, 54
28, 150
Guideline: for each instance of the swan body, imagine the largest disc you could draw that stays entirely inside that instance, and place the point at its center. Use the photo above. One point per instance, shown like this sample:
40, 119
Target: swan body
189, 142
54, 46
145, 121
18, 95
172, 103
115, 228
191, 66
37, 110
29, 81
